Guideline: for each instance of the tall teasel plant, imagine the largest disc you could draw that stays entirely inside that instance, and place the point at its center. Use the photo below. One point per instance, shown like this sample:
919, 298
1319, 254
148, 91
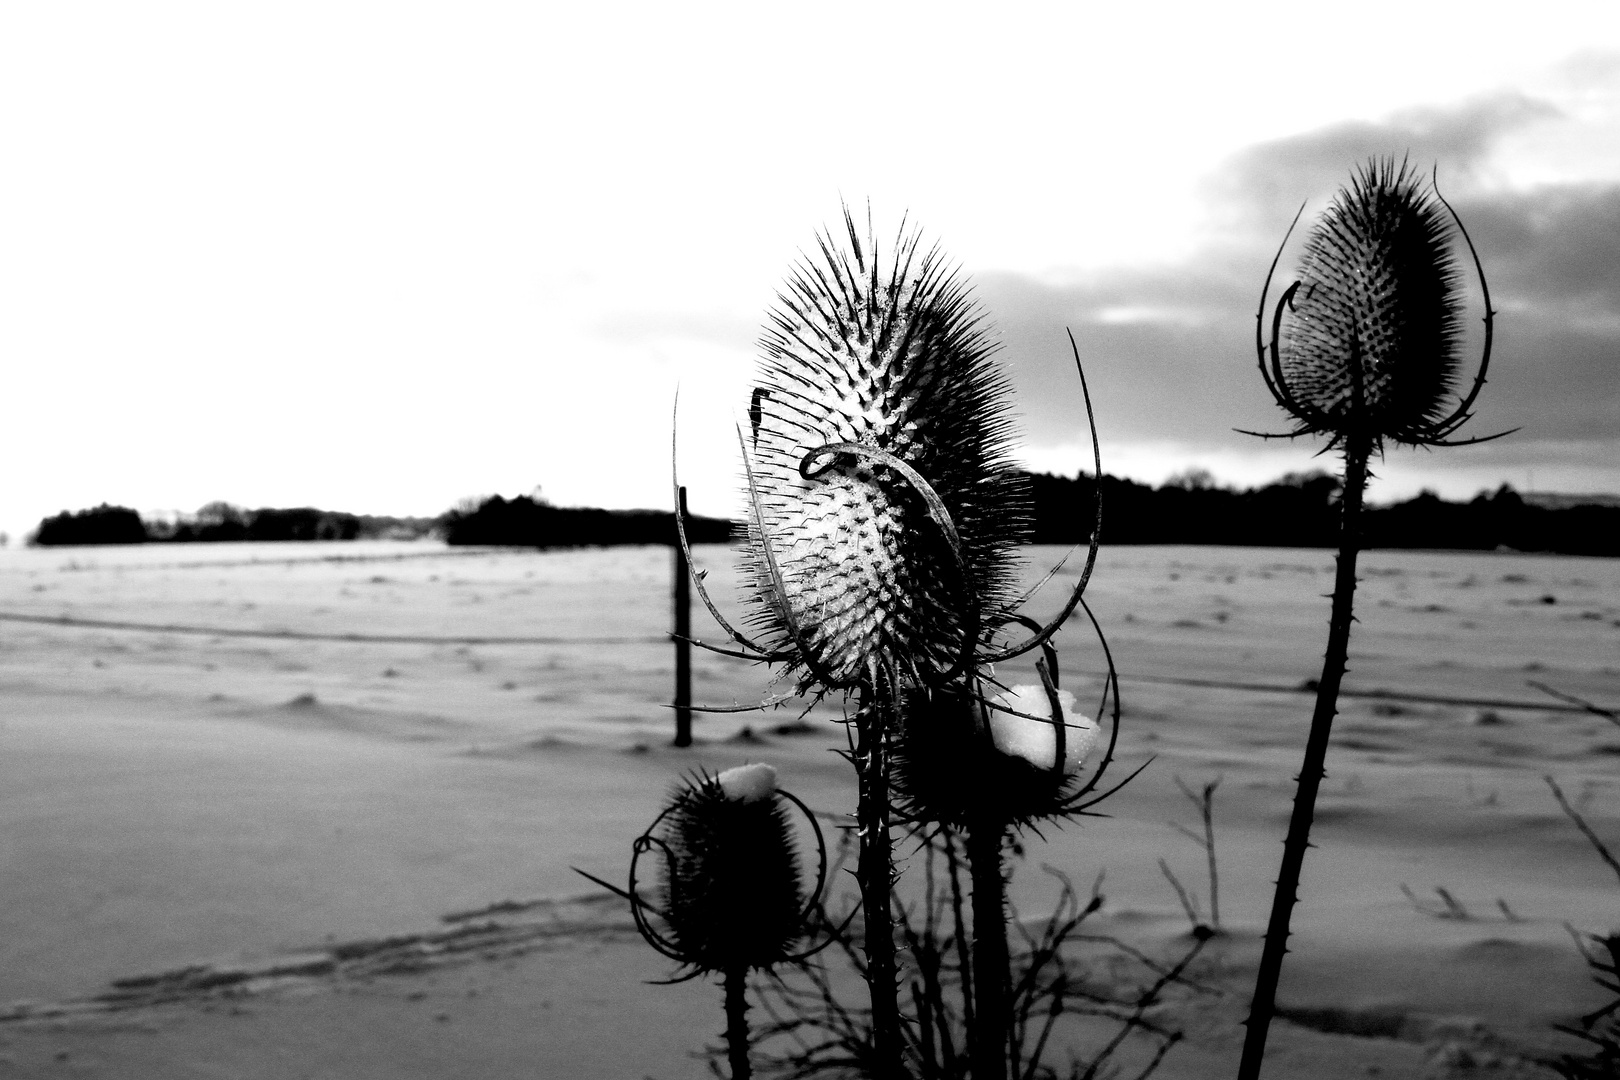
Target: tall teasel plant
1365, 348
884, 514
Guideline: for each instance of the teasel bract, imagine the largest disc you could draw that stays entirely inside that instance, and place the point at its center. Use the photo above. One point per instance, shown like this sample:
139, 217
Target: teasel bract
1365, 349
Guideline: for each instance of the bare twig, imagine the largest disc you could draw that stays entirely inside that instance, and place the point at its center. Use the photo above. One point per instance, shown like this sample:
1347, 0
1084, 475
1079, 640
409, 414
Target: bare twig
1204, 802
1454, 909
1580, 823
807, 1031
1189, 903
1595, 710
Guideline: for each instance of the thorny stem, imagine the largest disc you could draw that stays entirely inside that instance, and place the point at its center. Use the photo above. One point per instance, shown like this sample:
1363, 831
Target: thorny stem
736, 984
963, 960
1356, 451
988, 1038
875, 871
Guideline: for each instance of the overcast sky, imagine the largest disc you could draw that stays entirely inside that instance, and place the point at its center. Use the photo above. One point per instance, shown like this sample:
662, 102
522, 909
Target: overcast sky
382, 257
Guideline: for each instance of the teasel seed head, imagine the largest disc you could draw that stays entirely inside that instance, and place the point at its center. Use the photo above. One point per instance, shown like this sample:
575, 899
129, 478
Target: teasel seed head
884, 510
1368, 341
731, 885
960, 759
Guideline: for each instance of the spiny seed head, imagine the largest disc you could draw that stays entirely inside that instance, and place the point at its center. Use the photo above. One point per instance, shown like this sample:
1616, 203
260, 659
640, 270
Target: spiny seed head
1372, 340
851, 569
951, 765
731, 883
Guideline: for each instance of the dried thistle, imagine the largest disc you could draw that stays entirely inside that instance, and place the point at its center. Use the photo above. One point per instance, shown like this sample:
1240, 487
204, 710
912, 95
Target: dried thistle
885, 509
731, 896
1371, 346
884, 514
1370, 354
731, 891
969, 761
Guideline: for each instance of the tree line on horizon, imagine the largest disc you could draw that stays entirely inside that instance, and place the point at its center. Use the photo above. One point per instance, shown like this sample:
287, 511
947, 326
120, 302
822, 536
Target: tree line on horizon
1297, 510
1302, 510
219, 522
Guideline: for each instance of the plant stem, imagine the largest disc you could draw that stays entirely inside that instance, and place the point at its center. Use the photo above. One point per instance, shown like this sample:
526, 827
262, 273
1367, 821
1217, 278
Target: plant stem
736, 983
875, 872
683, 634
987, 1039
963, 957
1209, 851
1357, 449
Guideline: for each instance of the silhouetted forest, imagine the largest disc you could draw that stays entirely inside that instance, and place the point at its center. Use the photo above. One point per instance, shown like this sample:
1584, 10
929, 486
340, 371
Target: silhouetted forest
1299, 510
536, 523
102, 524
222, 522
520, 522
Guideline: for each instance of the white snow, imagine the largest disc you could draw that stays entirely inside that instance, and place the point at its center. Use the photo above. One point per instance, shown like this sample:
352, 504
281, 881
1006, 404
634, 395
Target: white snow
748, 783
1035, 740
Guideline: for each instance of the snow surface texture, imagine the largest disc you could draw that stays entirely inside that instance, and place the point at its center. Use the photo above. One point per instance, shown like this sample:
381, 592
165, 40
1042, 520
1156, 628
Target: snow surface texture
1035, 740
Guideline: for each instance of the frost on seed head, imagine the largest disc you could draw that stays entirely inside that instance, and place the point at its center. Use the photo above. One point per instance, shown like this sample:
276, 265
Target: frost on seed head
1035, 740
748, 783
849, 566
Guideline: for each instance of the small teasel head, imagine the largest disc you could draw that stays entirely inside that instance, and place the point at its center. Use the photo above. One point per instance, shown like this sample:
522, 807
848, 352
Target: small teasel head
884, 509
732, 891
966, 757
1367, 343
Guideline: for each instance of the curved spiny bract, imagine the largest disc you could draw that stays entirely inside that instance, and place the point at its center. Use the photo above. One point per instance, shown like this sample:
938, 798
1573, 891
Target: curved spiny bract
885, 350
1372, 337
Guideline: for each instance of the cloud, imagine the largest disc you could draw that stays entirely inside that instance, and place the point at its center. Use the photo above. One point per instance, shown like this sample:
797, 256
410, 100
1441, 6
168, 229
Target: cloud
1552, 247
1163, 352
1274, 177
1170, 351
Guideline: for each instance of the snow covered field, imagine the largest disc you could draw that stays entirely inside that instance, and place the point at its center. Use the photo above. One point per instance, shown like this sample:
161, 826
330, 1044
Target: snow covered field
284, 765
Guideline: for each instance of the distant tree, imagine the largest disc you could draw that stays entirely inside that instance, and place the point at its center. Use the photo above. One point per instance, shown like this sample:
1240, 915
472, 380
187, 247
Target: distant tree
1315, 480
529, 522
215, 522
300, 523
102, 524
1193, 479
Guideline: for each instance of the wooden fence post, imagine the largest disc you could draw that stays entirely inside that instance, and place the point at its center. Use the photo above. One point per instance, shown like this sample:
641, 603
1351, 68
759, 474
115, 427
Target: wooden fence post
683, 648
